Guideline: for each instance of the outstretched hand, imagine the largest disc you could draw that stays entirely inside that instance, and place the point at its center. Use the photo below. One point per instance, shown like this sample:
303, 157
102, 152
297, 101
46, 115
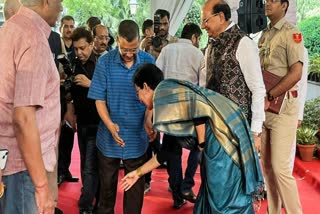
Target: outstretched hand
129, 180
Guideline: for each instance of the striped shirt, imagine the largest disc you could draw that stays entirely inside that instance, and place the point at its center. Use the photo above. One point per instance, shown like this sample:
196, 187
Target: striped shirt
28, 77
112, 82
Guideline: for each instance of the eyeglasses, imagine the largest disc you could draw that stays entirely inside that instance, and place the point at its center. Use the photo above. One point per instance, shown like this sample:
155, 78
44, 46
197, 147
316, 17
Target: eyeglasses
270, 1
129, 50
101, 38
205, 21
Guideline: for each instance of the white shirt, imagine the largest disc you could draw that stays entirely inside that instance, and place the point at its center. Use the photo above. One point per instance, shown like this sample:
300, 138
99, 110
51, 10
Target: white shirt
247, 55
181, 60
303, 85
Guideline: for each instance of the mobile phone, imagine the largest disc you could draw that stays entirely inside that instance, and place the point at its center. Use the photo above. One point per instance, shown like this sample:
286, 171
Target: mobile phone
3, 158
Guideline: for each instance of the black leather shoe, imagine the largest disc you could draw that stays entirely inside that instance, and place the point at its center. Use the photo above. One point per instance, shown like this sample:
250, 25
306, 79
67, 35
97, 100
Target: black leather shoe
189, 196
71, 179
57, 211
66, 178
178, 203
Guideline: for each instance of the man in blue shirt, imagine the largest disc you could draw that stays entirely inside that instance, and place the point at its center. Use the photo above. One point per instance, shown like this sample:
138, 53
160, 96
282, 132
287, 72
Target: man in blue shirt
126, 124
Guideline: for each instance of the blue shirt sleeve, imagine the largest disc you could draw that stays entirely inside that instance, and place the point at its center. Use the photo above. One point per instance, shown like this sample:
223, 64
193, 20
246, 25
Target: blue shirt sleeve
98, 88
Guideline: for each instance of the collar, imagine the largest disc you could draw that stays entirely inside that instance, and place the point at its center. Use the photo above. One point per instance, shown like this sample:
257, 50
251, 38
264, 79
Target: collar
278, 25
36, 18
91, 59
99, 54
185, 41
230, 25
224, 37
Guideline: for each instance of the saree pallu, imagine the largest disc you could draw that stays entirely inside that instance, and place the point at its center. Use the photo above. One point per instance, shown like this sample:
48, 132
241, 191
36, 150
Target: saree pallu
230, 170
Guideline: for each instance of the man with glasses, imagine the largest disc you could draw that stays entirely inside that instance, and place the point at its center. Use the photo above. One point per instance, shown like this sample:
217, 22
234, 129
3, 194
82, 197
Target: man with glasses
233, 65
281, 53
101, 39
126, 124
87, 117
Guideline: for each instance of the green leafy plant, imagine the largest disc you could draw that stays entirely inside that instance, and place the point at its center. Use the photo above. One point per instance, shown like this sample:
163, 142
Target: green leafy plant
314, 64
306, 135
311, 116
311, 34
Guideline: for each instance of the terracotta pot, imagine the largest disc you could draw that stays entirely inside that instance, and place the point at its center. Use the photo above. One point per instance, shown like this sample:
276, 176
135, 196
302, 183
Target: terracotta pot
306, 152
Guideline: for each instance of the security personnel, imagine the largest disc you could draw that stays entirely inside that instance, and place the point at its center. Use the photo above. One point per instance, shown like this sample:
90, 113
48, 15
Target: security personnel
281, 53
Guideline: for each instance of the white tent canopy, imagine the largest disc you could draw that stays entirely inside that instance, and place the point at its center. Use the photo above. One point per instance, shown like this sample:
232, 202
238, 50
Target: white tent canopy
179, 8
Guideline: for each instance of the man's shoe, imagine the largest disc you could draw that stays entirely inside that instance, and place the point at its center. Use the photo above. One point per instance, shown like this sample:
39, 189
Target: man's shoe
162, 166
69, 178
57, 211
189, 196
66, 178
178, 203
147, 188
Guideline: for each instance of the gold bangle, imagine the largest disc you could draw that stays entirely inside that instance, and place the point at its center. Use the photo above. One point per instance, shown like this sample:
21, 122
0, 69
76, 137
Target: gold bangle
2, 186
139, 172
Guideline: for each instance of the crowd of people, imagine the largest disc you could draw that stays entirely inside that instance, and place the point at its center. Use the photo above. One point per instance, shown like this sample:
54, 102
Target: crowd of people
119, 98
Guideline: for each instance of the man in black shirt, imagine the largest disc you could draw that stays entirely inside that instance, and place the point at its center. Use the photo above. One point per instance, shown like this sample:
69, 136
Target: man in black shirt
87, 116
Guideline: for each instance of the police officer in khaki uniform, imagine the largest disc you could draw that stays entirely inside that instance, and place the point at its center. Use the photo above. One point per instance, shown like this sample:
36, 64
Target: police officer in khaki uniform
281, 53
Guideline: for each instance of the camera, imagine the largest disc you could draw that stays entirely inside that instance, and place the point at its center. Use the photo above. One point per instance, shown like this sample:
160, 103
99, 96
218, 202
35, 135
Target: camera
67, 65
156, 40
68, 70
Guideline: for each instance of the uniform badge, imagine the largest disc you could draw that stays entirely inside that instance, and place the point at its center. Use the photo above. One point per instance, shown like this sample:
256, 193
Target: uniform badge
297, 37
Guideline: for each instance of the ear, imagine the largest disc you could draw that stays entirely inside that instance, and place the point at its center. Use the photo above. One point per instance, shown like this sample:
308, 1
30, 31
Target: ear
284, 6
145, 86
46, 3
193, 39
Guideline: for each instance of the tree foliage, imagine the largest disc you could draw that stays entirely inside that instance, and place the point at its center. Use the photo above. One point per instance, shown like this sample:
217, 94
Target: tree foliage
111, 12
308, 8
311, 33
194, 16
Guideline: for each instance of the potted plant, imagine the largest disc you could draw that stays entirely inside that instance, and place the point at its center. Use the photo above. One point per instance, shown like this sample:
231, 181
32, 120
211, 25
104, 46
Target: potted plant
311, 116
306, 141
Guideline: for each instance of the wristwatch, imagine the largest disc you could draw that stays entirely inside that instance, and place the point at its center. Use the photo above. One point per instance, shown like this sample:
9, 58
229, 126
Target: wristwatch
270, 97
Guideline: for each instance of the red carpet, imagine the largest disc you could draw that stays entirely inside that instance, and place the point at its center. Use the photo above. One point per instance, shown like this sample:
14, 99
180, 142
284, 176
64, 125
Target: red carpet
159, 201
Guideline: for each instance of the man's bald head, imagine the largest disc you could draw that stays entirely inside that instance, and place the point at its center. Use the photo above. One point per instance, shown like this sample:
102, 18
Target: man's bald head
11, 7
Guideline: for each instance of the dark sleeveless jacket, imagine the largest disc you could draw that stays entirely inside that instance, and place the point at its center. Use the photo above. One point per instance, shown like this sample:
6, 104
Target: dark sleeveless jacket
225, 75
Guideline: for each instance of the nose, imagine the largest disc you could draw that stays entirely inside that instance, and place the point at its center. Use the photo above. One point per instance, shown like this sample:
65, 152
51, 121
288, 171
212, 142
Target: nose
203, 25
129, 54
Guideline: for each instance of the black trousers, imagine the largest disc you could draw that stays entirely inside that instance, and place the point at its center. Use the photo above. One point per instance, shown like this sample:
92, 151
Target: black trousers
108, 171
65, 149
177, 183
89, 165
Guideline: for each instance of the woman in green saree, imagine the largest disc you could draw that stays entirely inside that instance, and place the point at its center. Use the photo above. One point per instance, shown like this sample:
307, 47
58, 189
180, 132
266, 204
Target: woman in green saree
230, 170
